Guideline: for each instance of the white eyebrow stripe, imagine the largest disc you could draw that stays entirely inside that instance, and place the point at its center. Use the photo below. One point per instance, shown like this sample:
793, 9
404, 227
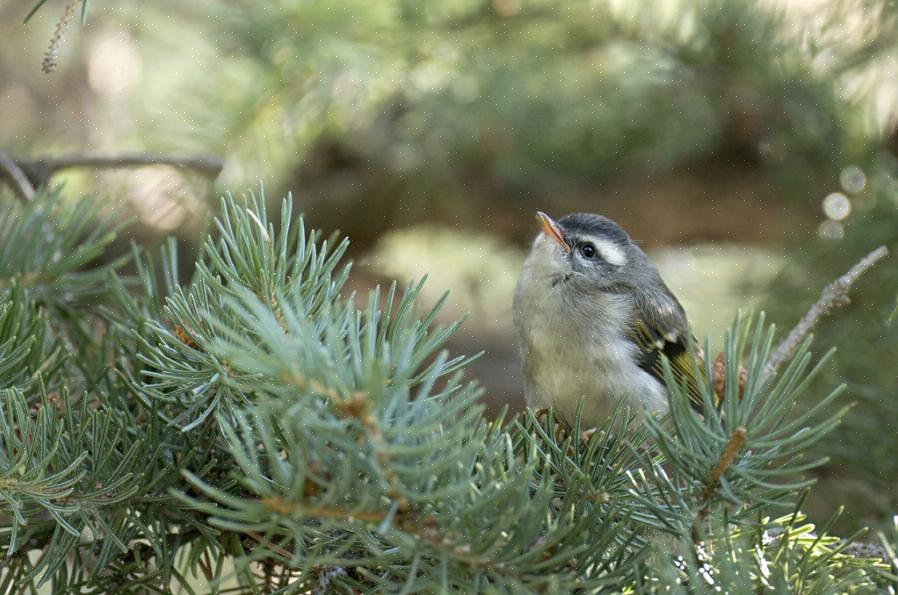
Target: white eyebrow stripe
608, 250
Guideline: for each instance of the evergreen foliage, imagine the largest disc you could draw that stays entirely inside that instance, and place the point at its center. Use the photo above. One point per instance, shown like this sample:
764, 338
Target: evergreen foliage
255, 426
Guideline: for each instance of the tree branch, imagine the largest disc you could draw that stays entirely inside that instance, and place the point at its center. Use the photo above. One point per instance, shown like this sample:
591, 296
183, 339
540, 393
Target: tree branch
38, 171
833, 295
16, 177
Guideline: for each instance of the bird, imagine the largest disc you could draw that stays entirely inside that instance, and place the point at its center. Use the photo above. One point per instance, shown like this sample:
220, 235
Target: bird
594, 318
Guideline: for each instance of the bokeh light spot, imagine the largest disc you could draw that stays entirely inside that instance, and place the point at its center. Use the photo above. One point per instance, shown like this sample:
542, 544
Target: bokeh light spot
114, 65
837, 206
853, 179
831, 230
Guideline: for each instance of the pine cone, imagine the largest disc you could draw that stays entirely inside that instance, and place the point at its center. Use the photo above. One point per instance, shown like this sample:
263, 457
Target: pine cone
719, 377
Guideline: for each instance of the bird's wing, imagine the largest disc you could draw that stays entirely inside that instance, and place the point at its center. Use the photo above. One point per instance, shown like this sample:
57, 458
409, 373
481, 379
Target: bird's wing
659, 327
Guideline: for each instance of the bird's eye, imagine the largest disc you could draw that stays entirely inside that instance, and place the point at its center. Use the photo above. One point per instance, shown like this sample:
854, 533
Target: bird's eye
588, 251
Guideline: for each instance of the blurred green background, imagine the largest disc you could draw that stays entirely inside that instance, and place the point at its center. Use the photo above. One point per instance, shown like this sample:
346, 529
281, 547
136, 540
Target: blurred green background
749, 146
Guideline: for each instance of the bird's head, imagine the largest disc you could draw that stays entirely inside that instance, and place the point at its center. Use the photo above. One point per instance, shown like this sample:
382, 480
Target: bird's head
588, 252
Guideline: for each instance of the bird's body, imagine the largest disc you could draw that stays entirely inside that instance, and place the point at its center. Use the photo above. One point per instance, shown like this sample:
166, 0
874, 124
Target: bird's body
566, 359
593, 327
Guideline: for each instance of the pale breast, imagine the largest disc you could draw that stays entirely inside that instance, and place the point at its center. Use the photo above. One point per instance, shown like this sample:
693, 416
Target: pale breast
573, 351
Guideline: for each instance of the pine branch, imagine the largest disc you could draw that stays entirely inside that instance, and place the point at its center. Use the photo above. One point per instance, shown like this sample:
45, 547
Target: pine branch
38, 171
834, 295
741, 451
50, 245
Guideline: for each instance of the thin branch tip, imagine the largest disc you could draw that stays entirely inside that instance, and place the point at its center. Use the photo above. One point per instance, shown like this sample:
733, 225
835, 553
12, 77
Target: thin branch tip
833, 295
26, 176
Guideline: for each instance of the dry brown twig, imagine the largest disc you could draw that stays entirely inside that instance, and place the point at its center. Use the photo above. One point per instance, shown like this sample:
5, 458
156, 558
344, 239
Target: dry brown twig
27, 175
39, 170
835, 294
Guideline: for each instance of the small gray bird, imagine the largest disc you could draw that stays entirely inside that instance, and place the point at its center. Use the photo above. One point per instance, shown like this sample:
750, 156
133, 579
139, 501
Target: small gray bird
593, 317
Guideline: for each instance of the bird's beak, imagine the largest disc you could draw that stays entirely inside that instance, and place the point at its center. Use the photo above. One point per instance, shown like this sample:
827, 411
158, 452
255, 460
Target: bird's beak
551, 229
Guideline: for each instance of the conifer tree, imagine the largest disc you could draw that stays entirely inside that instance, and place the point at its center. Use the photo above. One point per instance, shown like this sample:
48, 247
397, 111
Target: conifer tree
255, 427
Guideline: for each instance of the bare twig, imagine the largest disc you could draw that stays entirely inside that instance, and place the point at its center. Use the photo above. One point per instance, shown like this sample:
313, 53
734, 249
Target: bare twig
39, 170
16, 177
833, 295
26, 175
